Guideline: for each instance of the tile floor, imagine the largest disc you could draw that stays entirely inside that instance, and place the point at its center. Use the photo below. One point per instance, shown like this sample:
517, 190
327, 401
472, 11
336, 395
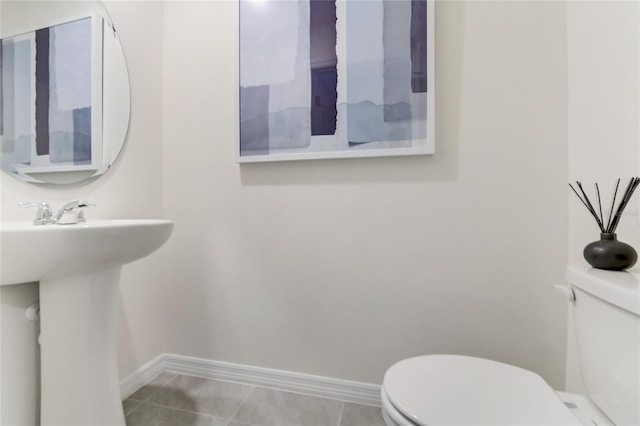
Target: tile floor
177, 400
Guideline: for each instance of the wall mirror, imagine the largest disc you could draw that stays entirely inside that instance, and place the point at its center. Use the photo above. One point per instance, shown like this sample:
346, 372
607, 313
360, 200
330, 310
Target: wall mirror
64, 91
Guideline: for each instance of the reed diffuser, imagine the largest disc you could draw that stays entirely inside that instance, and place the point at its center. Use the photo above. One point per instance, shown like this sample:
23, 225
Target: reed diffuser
609, 253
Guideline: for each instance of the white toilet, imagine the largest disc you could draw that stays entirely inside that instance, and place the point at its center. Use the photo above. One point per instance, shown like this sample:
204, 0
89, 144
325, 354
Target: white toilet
460, 390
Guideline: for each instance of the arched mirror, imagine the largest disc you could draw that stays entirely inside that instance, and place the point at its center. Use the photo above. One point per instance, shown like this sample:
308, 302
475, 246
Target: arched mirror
64, 91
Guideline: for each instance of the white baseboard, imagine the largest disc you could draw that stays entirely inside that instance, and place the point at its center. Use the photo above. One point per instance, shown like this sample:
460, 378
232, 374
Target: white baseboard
134, 381
343, 390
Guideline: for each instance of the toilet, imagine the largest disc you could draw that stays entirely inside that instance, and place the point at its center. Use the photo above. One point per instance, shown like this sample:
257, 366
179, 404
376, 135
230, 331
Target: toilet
463, 390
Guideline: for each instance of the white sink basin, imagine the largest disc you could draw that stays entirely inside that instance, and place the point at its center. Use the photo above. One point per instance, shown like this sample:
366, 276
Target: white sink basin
33, 253
78, 267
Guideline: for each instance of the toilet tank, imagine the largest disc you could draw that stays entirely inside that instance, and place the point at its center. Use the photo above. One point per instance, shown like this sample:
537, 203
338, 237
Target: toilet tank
607, 325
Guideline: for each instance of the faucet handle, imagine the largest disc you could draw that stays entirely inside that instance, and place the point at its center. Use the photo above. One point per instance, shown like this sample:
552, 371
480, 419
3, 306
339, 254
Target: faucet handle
72, 213
44, 214
80, 218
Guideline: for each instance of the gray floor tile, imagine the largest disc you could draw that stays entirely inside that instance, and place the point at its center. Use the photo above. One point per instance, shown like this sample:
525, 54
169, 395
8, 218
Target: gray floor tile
156, 415
212, 397
268, 407
129, 405
150, 388
361, 415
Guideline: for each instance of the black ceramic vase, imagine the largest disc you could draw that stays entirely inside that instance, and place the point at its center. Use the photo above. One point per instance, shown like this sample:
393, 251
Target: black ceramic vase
609, 253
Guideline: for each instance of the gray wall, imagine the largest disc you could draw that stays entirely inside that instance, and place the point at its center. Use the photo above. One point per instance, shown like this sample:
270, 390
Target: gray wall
342, 267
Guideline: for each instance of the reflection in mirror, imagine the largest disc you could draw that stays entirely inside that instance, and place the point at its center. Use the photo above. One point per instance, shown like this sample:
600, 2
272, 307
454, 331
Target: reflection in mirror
64, 91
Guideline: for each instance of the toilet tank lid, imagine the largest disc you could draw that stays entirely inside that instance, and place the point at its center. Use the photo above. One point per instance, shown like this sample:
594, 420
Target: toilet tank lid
462, 390
620, 288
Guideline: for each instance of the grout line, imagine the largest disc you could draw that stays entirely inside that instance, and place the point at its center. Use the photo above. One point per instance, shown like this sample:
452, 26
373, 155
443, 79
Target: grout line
181, 409
136, 407
296, 392
341, 412
253, 387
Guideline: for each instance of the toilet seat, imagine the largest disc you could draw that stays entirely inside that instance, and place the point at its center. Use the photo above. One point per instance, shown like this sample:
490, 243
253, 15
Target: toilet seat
460, 390
391, 416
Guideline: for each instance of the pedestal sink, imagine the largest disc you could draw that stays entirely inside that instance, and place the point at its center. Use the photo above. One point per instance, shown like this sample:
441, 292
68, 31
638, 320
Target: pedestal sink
78, 267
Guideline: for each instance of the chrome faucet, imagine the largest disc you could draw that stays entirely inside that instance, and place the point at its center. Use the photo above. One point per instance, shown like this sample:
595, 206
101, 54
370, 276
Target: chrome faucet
44, 214
70, 213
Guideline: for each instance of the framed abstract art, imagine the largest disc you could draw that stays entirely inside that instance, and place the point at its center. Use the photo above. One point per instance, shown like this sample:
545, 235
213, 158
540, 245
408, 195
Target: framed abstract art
335, 79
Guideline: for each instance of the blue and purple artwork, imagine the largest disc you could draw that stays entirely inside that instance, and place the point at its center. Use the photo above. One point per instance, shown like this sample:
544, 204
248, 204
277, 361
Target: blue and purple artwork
335, 78
47, 82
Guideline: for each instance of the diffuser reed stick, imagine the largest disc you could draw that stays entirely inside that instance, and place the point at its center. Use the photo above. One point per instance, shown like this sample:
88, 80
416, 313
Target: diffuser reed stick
613, 203
614, 219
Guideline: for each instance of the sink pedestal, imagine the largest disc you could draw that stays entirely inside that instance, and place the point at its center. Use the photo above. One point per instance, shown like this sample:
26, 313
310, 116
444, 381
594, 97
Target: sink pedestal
79, 371
78, 267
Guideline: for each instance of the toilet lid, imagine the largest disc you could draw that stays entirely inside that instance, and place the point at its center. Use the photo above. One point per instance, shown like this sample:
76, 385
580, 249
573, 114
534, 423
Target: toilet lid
460, 390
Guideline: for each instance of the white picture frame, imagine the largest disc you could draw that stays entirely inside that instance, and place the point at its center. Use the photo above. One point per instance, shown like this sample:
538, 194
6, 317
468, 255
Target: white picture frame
379, 109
